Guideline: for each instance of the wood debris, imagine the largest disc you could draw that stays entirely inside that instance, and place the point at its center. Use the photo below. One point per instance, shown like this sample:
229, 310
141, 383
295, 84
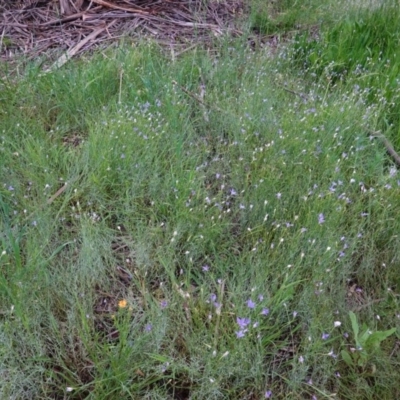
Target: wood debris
51, 27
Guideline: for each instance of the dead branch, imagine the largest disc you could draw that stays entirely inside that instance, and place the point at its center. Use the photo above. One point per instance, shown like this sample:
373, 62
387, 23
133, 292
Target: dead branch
389, 148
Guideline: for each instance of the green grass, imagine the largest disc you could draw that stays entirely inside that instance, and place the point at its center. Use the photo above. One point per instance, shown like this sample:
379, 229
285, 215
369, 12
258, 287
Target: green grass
202, 250
286, 17
360, 49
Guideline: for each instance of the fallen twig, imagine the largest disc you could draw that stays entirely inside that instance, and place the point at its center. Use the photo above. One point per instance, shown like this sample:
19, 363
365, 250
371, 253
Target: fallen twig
67, 19
58, 193
40, 28
302, 95
195, 97
117, 7
70, 53
370, 303
389, 148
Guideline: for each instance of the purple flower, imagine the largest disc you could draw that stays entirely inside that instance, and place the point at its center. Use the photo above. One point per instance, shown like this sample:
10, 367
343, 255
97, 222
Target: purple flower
325, 336
265, 311
205, 268
260, 297
213, 299
148, 327
268, 394
164, 304
240, 334
250, 303
243, 322
321, 218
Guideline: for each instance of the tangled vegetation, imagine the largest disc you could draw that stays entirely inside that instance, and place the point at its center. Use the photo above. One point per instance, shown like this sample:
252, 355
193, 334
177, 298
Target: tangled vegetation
218, 225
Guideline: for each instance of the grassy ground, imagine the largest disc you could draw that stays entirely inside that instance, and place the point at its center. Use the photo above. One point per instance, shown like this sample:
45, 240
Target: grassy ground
360, 49
155, 246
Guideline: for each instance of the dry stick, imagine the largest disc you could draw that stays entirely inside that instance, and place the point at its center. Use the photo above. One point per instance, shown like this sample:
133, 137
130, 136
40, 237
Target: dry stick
71, 52
186, 49
395, 348
183, 24
68, 19
65, 7
193, 96
130, 9
50, 200
1, 40
172, 53
389, 148
359, 308
302, 95
57, 194
121, 73
218, 312
77, 5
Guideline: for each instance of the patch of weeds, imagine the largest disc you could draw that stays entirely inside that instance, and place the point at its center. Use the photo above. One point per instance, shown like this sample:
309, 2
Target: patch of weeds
200, 249
365, 344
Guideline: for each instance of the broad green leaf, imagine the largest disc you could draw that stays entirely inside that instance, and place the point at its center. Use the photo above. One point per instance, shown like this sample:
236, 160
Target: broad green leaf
364, 336
377, 338
347, 358
362, 360
354, 325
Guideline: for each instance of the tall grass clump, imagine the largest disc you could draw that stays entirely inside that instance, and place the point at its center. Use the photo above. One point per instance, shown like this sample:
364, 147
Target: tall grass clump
210, 227
361, 50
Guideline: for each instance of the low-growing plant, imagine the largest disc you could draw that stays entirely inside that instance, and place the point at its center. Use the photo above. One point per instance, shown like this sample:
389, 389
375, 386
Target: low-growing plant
366, 344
